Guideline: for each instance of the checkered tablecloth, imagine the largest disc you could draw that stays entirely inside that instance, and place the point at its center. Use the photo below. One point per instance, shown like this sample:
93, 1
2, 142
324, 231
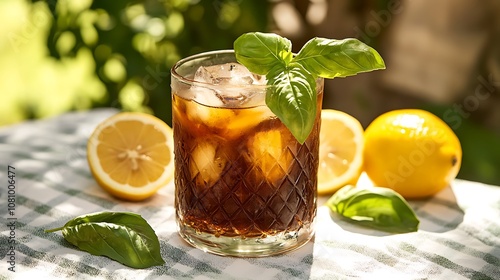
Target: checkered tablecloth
459, 235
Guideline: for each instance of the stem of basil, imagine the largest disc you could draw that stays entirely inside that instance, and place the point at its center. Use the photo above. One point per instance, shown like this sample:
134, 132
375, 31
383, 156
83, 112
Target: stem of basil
53, 230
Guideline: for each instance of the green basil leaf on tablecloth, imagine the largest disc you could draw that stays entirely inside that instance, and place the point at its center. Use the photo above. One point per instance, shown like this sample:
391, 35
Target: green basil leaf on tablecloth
379, 208
122, 236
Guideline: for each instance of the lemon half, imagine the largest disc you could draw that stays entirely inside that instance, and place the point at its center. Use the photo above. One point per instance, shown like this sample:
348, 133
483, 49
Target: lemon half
340, 151
131, 156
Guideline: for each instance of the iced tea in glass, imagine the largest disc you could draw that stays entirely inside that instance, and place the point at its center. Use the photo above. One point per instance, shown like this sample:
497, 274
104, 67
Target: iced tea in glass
244, 186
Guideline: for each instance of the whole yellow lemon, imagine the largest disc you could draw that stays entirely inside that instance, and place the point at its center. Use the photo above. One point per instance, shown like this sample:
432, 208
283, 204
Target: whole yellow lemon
412, 152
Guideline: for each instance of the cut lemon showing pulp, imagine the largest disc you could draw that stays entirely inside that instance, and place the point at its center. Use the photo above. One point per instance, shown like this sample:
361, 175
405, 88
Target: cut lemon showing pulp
340, 151
131, 155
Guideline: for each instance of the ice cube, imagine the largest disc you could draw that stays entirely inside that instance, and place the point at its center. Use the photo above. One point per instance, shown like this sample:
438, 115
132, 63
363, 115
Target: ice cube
228, 74
206, 163
268, 152
227, 82
245, 120
206, 96
212, 117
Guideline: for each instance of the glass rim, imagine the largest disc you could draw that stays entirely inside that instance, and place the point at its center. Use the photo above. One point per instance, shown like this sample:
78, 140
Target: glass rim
192, 82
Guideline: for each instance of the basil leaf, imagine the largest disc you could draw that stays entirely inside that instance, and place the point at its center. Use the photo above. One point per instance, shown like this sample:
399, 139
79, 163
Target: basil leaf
379, 208
122, 236
330, 58
293, 95
261, 52
293, 99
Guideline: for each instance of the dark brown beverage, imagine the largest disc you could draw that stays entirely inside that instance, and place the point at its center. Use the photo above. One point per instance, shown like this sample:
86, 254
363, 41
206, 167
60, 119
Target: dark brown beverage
244, 185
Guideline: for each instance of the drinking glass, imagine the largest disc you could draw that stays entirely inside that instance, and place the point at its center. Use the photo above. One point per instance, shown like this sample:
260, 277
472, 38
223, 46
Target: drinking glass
244, 186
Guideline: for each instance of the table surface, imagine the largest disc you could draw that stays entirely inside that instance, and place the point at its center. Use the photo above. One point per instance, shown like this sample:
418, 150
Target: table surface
458, 238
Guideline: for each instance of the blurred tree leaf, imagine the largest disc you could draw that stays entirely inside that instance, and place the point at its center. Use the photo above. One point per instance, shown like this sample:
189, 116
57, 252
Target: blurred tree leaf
35, 85
135, 43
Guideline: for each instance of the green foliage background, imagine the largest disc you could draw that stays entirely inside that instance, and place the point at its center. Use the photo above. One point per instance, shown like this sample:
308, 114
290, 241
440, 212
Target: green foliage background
71, 55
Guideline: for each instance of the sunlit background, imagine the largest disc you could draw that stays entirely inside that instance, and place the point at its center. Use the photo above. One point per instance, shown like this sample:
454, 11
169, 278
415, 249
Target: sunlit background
442, 56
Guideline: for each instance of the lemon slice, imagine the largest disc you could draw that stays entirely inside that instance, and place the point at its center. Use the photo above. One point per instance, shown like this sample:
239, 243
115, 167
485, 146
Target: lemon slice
340, 151
131, 155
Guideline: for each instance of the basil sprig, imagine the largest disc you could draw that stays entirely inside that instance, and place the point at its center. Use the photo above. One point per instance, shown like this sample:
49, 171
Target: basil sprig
122, 236
379, 208
293, 98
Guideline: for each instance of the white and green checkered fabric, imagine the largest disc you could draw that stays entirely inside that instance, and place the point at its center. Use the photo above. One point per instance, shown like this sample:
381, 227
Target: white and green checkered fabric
459, 235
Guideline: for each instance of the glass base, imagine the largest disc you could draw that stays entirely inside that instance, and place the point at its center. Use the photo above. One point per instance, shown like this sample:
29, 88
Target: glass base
247, 247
